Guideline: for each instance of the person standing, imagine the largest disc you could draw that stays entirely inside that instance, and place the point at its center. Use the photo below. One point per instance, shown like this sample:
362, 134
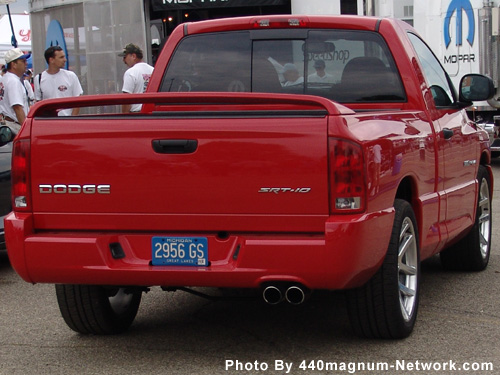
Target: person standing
27, 78
136, 78
13, 95
56, 82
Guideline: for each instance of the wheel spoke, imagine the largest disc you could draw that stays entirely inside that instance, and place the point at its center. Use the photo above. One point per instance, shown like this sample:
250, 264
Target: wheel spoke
404, 245
408, 292
482, 239
406, 315
404, 230
407, 269
484, 201
484, 218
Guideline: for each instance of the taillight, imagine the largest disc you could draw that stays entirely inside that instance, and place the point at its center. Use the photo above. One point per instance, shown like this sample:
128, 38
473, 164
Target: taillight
347, 177
21, 197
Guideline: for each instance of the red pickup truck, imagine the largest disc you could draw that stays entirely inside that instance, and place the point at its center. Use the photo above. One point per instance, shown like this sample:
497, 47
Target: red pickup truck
285, 154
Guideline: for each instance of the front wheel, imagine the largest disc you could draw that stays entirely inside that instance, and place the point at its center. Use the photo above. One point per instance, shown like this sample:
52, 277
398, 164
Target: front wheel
386, 306
98, 310
472, 253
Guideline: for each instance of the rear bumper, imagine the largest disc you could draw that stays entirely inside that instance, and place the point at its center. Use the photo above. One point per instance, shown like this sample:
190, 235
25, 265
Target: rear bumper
346, 255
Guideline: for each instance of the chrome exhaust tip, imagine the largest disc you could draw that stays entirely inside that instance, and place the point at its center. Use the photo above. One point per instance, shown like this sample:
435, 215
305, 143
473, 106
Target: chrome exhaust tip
295, 295
272, 295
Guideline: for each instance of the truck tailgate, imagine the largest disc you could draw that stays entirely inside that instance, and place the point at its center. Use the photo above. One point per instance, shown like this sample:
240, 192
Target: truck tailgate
188, 172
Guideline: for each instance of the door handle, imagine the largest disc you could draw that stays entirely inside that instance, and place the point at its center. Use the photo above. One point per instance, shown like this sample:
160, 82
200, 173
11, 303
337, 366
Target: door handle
175, 146
447, 133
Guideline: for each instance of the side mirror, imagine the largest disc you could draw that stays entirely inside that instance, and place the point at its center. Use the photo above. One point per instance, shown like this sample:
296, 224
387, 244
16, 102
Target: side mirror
6, 135
475, 88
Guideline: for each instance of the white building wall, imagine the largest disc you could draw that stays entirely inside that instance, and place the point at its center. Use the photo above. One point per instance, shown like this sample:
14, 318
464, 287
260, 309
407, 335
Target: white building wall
384, 8
321, 7
381, 8
315, 6
401, 8
37, 5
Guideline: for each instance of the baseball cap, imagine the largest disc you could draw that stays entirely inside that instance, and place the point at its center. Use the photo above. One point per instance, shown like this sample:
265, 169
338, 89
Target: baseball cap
15, 54
289, 67
130, 48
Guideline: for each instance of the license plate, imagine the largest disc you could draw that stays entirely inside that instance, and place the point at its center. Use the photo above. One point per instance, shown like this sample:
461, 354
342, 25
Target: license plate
180, 251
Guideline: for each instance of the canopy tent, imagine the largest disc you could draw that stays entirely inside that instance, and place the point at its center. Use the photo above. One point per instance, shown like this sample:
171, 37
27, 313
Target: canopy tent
22, 30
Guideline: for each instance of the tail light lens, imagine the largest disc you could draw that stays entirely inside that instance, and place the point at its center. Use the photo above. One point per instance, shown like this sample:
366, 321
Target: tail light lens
347, 177
21, 197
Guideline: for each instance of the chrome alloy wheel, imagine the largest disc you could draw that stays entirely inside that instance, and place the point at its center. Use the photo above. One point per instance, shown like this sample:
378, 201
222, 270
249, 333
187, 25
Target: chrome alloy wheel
484, 207
407, 269
387, 305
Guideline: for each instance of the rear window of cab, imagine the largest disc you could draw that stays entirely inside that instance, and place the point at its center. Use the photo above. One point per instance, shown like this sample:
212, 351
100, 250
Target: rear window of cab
342, 65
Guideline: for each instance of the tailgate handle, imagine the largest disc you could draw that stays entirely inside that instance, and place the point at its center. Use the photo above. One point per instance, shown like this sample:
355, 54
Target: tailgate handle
175, 146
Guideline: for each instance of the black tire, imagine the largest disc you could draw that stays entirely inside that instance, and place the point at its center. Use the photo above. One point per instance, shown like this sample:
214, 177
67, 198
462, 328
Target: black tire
98, 310
386, 306
472, 253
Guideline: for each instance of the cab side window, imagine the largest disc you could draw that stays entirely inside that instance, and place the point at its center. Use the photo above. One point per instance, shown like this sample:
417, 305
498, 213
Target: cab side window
441, 87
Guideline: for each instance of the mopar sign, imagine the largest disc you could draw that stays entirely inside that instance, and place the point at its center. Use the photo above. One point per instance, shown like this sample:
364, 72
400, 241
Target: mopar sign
459, 8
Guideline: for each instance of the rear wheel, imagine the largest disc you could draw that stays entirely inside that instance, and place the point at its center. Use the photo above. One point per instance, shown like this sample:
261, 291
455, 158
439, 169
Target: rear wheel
386, 306
472, 253
99, 310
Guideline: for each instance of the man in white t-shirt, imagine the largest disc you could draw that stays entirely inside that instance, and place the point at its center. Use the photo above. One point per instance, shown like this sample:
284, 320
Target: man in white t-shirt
56, 82
320, 76
136, 78
13, 95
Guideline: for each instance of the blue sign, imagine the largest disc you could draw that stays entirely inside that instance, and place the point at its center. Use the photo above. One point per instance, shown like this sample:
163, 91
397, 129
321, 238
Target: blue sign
460, 7
55, 37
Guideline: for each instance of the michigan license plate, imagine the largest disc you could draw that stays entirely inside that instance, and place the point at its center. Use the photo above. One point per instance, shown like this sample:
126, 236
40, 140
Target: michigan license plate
180, 251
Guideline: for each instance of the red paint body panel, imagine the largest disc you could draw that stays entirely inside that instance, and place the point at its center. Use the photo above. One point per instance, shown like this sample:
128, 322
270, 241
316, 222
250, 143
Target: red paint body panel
258, 185
332, 260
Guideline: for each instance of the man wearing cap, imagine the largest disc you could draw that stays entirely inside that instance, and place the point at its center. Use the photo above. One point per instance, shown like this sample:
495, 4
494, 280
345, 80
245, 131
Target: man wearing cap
320, 76
136, 78
56, 82
13, 95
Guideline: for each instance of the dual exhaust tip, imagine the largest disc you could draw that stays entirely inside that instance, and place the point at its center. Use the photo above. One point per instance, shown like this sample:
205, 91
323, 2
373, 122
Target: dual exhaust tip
293, 294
